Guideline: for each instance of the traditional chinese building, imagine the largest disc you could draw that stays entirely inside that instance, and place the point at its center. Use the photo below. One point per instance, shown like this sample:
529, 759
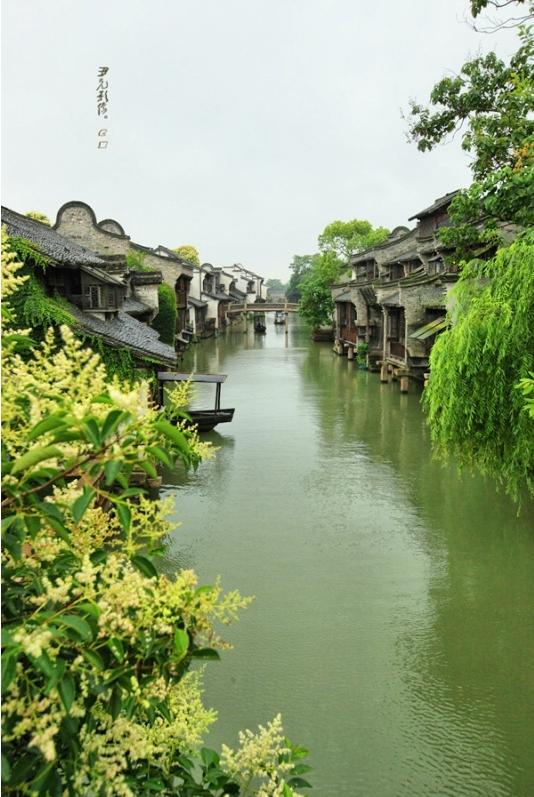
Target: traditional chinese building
396, 301
77, 221
94, 291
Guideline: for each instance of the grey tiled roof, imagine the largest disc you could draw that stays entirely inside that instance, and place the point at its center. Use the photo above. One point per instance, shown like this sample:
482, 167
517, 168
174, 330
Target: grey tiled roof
196, 302
133, 306
442, 201
146, 277
220, 297
49, 242
236, 293
164, 251
125, 331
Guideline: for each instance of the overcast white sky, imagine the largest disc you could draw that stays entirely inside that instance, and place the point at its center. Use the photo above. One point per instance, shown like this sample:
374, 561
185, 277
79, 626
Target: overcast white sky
240, 126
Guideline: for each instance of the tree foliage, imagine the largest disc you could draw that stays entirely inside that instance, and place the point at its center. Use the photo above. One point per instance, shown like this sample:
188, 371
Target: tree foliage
475, 410
189, 253
274, 285
316, 304
492, 103
165, 321
135, 260
98, 694
347, 238
299, 267
36, 215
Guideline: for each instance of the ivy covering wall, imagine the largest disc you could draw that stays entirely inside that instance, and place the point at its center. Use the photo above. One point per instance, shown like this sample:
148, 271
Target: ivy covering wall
165, 321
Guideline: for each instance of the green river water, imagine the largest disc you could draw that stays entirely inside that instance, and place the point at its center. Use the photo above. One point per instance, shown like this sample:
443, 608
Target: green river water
393, 623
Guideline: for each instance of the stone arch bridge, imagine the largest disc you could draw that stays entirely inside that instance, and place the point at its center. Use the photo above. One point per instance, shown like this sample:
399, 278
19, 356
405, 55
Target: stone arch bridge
263, 307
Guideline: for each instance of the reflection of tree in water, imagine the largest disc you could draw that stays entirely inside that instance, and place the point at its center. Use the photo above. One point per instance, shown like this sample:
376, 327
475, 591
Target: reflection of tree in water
468, 667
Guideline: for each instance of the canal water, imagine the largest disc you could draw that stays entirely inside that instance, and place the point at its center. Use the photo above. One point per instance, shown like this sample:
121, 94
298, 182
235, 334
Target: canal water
393, 621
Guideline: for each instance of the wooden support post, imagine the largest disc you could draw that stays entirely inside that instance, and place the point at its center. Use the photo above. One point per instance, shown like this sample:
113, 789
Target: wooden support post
404, 383
350, 353
384, 375
286, 322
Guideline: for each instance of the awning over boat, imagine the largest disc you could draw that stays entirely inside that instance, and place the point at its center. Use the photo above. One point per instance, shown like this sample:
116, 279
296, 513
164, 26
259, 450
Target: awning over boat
432, 328
174, 376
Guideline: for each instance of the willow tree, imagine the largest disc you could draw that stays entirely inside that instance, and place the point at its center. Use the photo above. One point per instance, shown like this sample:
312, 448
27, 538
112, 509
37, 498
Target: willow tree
475, 404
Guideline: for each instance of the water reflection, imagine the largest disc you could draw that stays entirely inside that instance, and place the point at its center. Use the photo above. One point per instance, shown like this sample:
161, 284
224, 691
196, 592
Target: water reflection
392, 621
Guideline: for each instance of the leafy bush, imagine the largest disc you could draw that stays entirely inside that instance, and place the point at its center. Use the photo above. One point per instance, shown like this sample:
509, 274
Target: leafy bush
361, 354
165, 321
98, 694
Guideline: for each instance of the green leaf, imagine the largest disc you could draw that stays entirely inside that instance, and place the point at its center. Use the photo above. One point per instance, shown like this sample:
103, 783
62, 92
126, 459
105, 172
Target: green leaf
7, 521
204, 588
67, 691
59, 528
89, 608
9, 668
6, 769
7, 639
299, 783
117, 648
144, 565
22, 768
92, 432
115, 702
163, 709
113, 419
299, 752
34, 456
125, 516
51, 422
77, 624
110, 470
94, 658
50, 509
209, 757
40, 782
44, 664
81, 503
205, 653
160, 454
181, 642
174, 435
149, 468
300, 769
33, 524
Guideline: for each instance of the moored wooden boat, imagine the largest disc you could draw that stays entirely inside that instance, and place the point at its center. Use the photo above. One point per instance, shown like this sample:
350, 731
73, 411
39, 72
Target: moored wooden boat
205, 420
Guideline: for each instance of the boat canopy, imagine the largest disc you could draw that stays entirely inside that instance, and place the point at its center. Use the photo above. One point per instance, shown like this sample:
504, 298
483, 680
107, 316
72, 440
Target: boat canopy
173, 376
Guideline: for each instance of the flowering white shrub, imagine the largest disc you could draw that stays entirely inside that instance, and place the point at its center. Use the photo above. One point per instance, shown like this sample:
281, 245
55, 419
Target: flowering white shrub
98, 694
